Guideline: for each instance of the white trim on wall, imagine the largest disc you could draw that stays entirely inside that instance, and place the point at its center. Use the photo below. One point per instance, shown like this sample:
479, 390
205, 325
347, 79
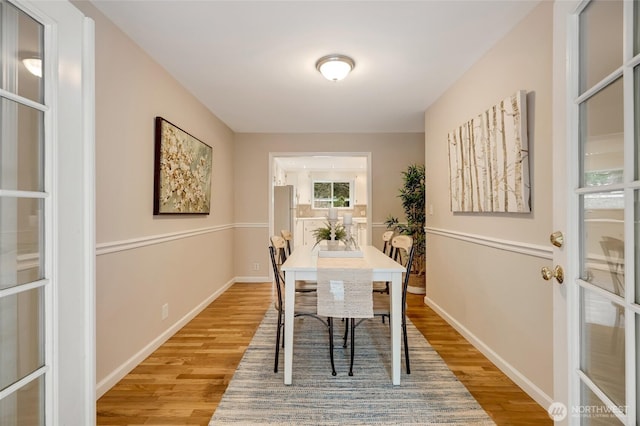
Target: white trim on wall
116, 375
534, 250
256, 280
520, 379
134, 243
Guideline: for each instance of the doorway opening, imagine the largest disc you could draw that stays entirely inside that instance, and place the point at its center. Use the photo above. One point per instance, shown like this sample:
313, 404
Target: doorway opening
305, 184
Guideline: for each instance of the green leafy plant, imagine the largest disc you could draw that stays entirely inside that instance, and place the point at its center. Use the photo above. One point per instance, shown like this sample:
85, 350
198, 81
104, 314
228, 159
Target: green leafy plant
324, 233
412, 195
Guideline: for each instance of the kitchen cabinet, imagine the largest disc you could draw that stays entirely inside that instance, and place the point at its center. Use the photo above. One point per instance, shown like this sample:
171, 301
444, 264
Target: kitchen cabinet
360, 190
298, 236
309, 227
361, 232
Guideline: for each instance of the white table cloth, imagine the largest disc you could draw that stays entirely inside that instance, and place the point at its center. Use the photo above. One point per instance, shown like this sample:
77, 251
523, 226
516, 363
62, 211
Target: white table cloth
302, 265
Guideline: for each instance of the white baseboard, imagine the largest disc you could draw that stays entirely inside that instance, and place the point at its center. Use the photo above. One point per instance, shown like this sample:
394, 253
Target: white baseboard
253, 279
114, 377
521, 380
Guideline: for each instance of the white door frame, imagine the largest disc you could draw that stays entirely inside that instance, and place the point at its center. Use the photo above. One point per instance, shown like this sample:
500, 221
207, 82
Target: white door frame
562, 165
274, 155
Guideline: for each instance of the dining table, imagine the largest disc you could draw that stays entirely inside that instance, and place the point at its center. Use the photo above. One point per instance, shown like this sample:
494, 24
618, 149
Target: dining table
302, 265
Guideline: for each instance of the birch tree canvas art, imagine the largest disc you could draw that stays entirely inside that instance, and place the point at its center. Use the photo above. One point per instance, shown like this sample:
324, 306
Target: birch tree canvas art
489, 160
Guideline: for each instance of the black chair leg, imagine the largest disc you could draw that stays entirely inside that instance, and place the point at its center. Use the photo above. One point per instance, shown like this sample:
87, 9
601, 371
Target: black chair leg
333, 366
275, 367
353, 344
406, 346
346, 332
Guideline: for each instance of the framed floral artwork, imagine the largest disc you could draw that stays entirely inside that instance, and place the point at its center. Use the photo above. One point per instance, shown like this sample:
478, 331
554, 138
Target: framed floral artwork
182, 171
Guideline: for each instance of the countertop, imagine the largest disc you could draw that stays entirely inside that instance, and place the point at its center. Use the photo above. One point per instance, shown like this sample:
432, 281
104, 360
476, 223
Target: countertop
362, 219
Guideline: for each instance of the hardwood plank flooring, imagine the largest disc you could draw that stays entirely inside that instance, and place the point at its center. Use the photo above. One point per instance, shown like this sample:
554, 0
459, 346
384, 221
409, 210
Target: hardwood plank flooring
182, 382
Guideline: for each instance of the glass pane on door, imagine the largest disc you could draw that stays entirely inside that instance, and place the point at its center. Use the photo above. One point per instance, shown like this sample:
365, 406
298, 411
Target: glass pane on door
600, 41
602, 344
602, 260
24, 54
594, 412
25, 407
636, 101
636, 29
602, 136
21, 335
21, 242
21, 148
636, 225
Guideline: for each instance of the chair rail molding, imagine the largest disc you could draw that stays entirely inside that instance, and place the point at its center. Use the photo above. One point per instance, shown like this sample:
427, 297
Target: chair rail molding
528, 249
134, 243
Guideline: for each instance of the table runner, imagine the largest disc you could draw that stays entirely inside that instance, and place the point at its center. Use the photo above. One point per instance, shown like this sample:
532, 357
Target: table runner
345, 288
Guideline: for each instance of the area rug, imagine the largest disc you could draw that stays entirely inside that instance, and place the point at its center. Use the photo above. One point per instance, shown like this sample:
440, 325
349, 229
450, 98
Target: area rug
431, 394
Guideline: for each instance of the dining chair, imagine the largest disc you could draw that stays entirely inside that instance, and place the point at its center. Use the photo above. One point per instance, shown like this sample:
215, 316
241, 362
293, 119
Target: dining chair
344, 291
279, 245
288, 237
378, 286
305, 305
403, 250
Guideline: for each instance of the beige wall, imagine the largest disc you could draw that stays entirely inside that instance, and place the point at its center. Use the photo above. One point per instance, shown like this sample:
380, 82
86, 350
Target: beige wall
134, 281
488, 284
390, 156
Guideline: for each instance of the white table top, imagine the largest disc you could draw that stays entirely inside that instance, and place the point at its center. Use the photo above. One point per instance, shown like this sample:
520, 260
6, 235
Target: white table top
305, 258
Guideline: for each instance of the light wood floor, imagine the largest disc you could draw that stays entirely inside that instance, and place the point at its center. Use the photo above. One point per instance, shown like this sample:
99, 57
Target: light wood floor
182, 382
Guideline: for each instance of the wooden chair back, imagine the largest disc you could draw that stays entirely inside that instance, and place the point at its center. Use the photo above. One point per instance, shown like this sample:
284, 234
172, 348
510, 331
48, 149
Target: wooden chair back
288, 237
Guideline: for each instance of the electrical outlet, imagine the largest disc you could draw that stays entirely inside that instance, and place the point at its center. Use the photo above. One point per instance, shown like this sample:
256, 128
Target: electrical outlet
165, 311
256, 266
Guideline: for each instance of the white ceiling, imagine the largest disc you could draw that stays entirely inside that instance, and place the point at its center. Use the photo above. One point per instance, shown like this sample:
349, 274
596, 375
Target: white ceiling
252, 63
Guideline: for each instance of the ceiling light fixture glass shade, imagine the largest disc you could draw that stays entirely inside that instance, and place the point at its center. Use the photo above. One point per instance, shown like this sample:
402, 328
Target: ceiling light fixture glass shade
335, 67
34, 65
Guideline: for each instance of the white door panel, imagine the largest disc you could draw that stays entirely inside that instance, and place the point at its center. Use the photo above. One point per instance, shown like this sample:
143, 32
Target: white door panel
47, 241
596, 57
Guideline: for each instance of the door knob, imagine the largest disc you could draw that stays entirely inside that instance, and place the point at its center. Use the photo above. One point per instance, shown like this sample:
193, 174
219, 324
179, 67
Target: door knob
557, 273
557, 239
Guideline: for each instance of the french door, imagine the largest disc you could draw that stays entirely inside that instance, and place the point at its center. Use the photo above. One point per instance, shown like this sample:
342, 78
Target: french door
602, 196
46, 215
25, 243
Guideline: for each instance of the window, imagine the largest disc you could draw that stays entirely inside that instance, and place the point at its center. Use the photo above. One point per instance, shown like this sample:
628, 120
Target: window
328, 194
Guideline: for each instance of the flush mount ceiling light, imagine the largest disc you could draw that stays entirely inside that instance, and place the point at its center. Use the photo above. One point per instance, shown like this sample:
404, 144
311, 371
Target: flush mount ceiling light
335, 67
34, 65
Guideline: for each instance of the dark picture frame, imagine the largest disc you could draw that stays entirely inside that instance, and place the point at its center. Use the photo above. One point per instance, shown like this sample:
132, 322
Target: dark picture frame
183, 167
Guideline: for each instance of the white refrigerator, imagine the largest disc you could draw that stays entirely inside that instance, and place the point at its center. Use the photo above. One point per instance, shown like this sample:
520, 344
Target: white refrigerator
284, 210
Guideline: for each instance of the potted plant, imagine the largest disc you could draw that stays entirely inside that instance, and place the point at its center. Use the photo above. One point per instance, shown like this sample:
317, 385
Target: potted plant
324, 233
412, 195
